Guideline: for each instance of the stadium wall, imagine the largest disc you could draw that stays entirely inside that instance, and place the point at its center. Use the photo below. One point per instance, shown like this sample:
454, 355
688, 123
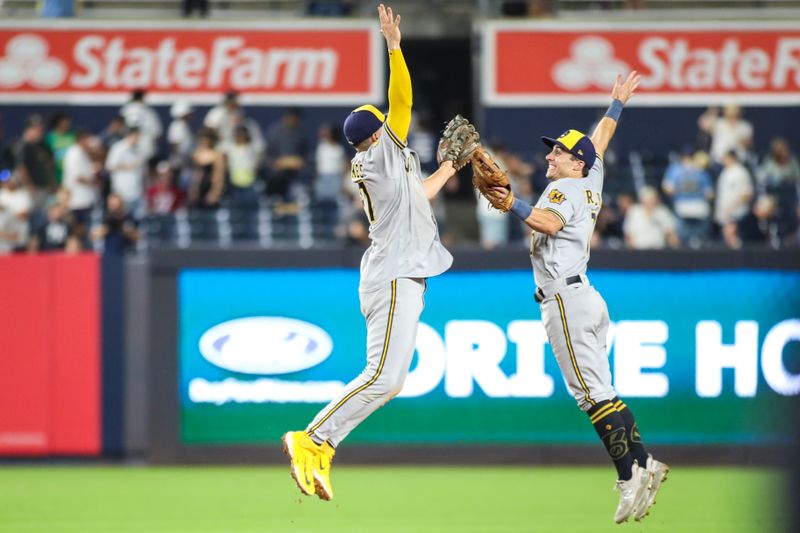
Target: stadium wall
704, 352
50, 372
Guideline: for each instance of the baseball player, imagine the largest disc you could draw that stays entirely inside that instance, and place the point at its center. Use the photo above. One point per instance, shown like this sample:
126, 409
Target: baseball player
575, 315
405, 250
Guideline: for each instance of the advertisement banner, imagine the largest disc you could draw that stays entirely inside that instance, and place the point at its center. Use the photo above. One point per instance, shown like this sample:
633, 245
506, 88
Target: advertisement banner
681, 63
311, 63
699, 362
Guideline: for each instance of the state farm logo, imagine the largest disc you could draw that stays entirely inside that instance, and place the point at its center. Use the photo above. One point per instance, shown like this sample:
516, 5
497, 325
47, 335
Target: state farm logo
592, 63
114, 63
26, 61
265, 345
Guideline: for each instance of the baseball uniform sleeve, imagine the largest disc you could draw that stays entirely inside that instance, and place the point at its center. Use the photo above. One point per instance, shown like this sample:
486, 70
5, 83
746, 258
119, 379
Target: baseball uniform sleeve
400, 98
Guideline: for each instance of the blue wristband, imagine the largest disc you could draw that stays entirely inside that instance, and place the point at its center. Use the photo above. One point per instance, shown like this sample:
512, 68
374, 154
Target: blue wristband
521, 209
614, 110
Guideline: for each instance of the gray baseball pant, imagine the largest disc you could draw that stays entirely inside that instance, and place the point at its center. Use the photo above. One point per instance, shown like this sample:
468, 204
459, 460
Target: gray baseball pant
392, 314
576, 321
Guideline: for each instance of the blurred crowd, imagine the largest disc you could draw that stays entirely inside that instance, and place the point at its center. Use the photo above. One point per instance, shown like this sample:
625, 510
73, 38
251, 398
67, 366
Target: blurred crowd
220, 179
716, 192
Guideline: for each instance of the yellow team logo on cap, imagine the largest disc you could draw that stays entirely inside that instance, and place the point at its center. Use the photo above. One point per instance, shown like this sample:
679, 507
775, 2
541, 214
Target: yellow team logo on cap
556, 197
372, 109
570, 138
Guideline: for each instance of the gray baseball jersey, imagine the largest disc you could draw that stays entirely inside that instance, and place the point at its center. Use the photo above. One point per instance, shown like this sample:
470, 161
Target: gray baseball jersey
403, 231
576, 202
574, 314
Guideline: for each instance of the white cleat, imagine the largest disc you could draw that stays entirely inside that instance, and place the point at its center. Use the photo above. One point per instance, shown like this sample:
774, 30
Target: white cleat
632, 493
658, 475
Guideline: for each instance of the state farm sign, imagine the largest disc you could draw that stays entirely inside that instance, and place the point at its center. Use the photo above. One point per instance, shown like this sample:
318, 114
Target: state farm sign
680, 63
308, 63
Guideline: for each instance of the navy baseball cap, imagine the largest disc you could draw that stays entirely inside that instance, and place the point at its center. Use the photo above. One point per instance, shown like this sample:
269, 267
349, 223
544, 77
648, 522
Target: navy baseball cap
575, 143
361, 123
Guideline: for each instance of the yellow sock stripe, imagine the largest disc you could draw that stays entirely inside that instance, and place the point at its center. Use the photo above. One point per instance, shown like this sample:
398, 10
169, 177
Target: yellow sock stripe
619, 406
380, 365
559, 215
602, 413
571, 352
393, 137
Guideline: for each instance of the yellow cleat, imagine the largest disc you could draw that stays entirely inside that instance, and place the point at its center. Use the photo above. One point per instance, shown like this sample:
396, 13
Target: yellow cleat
302, 453
322, 471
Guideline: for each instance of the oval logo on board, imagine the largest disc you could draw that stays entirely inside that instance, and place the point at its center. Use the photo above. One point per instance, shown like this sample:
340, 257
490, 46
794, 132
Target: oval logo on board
265, 345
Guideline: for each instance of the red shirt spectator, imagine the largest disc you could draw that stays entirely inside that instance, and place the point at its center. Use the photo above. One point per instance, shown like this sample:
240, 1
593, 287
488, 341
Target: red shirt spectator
164, 197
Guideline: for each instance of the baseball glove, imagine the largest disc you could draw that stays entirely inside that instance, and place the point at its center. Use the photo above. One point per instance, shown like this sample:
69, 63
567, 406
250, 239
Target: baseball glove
459, 141
487, 174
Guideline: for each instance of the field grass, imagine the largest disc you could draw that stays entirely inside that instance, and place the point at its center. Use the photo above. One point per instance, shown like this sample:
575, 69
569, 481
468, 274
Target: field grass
371, 499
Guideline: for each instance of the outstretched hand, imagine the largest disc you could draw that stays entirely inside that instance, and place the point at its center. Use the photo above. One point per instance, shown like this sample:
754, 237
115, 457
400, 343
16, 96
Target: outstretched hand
390, 27
500, 193
622, 91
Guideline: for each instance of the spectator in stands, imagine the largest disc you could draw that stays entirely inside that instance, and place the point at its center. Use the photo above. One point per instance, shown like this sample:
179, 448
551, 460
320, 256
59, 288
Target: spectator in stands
6, 150
779, 177
80, 178
608, 229
126, 163
57, 233
140, 115
762, 224
527, 8
423, 139
61, 198
56, 8
493, 225
332, 163
728, 132
649, 224
734, 193
164, 197
59, 139
253, 130
201, 6
520, 173
118, 230
220, 118
115, 131
358, 229
287, 151
35, 163
10, 232
329, 8
243, 159
208, 178
15, 210
691, 190
181, 140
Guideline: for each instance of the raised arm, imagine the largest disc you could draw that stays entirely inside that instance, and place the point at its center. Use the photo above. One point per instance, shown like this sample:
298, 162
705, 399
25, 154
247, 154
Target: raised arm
620, 95
400, 96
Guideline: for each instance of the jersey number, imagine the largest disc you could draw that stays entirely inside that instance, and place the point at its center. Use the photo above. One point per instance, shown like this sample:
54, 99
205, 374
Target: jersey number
366, 201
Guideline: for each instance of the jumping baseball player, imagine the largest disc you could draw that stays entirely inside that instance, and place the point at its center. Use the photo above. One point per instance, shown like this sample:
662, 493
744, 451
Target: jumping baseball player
575, 316
405, 251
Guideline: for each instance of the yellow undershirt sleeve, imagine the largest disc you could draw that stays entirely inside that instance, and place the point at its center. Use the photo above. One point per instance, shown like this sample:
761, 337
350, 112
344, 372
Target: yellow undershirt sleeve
400, 97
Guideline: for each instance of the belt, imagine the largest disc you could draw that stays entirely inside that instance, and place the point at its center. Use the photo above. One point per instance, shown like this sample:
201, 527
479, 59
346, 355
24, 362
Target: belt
539, 295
